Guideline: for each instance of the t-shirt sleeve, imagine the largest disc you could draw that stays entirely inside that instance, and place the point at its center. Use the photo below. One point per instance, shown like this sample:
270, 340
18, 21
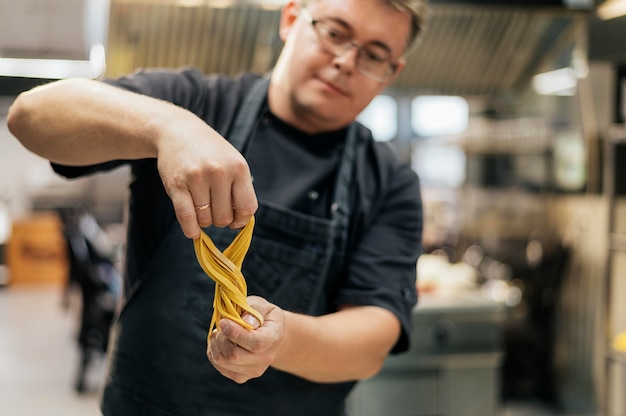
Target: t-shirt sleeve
382, 269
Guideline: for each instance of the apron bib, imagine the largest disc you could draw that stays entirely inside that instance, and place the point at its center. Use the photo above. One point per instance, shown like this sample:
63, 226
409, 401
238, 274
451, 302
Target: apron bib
158, 364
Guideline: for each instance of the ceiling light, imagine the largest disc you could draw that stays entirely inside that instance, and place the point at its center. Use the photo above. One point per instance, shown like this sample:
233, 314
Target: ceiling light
56, 68
611, 9
559, 82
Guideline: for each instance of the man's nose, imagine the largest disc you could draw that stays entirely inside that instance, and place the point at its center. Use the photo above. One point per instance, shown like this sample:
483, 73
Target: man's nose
348, 60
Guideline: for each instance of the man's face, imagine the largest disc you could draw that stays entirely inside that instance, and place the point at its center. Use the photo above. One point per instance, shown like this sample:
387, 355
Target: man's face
318, 91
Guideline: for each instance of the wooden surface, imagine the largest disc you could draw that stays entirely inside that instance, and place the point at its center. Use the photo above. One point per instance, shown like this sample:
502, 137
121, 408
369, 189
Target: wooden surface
36, 250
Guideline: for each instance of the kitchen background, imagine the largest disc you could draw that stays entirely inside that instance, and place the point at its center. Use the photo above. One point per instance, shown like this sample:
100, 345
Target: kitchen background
522, 180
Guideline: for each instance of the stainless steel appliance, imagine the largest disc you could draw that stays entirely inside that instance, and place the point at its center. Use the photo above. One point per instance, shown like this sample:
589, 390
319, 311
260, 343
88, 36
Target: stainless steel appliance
452, 368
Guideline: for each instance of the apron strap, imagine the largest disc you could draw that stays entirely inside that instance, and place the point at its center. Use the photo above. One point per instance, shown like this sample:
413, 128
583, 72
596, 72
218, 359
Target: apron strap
248, 115
340, 208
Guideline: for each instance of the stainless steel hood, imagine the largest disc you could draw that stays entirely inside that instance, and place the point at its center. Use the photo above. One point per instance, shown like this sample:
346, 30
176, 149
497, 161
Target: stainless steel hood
469, 48
53, 38
488, 50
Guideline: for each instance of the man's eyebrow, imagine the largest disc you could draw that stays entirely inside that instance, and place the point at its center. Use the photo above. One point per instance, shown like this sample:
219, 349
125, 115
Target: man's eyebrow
347, 26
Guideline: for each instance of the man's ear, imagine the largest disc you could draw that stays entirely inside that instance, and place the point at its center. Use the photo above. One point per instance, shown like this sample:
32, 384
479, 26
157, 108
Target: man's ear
288, 17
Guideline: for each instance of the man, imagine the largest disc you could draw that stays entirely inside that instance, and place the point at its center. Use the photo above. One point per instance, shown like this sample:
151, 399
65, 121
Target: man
338, 226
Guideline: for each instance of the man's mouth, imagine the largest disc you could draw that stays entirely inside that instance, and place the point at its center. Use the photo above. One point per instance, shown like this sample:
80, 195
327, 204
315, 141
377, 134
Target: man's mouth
333, 86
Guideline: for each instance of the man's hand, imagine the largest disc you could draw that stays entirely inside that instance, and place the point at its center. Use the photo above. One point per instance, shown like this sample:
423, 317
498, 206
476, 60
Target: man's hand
207, 179
350, 344
241, 354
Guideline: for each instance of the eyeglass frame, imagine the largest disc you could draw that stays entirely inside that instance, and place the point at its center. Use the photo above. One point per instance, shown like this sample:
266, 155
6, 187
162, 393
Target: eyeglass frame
347, 46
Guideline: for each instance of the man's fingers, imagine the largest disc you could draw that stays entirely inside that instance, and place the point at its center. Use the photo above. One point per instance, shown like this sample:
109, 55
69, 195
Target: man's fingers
186, 214
244, 202
203, 203
217, 192
222, 204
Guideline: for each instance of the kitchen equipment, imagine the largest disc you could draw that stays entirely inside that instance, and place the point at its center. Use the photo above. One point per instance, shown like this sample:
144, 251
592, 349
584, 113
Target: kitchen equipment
452, 367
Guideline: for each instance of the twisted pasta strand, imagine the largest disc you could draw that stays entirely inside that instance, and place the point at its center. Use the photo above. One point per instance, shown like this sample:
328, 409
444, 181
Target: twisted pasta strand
225, 269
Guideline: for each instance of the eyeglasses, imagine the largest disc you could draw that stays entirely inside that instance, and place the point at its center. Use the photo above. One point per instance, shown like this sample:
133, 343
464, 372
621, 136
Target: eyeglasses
372, 61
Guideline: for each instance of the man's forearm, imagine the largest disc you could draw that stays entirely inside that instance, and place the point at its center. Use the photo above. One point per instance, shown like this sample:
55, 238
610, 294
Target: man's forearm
348, 345
79, 122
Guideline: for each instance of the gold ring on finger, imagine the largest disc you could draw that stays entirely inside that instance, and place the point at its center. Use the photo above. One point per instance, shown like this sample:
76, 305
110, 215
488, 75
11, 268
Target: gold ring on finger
203, 207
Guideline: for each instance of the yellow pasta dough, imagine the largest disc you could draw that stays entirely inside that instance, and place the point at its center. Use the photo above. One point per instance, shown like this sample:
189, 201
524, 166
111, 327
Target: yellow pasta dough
231, 290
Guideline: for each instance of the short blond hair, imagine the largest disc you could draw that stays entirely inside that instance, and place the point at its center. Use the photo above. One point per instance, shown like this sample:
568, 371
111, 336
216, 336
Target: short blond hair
417, 9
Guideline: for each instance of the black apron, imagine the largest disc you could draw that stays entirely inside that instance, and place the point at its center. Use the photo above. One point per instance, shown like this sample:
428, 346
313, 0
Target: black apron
158, 363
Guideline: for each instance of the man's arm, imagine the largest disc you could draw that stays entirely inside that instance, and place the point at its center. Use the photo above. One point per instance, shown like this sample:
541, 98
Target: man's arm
83, 122
350, 344
347, 345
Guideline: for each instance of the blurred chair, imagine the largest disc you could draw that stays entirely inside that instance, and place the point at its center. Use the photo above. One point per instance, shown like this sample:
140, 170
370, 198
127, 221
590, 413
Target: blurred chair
92, 269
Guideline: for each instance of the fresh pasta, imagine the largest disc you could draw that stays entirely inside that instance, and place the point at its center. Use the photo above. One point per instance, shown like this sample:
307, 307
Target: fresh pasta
225, 269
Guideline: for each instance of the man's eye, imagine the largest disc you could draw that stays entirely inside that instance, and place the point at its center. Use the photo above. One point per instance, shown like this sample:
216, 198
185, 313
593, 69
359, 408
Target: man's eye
335, 35
373, 56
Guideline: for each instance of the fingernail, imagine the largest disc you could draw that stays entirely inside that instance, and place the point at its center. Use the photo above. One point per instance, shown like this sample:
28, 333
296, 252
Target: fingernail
224, 325
251, 320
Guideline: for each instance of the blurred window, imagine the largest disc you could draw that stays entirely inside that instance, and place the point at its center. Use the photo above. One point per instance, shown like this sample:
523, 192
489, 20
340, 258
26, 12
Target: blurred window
437, 115
570, 169
439, 165
381, 117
